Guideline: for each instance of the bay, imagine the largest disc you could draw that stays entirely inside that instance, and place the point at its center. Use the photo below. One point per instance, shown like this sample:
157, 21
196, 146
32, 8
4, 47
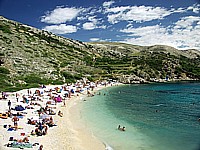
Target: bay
156, 116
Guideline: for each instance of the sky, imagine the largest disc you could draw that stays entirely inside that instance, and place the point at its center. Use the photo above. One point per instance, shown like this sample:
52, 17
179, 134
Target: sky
174, 23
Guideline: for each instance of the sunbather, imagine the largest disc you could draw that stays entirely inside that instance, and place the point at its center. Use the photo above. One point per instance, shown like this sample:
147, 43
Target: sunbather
25, 140
32, 122
9, 113
50, 122
41, 130
60, 113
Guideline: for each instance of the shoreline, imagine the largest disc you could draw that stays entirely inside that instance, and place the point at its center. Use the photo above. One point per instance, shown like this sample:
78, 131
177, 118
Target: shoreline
88, 140
68, 134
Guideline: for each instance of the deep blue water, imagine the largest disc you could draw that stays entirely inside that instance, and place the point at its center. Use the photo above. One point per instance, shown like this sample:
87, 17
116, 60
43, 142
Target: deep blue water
156, 116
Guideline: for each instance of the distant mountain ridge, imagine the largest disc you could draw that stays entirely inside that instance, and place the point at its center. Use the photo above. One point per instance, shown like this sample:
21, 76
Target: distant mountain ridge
29, 56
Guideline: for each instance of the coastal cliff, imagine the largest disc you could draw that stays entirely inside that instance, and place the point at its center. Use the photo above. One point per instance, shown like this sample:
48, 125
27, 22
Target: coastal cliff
29, 56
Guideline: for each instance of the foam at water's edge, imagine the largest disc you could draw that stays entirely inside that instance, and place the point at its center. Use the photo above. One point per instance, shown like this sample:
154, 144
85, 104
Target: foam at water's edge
108, 147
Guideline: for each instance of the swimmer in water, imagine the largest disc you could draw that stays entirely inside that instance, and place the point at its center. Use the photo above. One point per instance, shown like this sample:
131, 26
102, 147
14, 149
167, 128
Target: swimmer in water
121, 129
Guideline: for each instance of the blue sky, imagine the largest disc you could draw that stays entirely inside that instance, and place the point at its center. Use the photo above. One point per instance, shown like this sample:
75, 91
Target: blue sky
140, 22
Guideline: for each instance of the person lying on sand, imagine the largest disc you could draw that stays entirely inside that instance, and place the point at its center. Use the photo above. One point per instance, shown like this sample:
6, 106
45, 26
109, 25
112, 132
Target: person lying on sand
51, 112
50, 122
9, 113
41, 129
60, 113
25, 139
32, 122
33, 132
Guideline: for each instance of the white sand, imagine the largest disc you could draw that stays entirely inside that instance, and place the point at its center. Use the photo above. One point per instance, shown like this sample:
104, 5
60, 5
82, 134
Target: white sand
67, 135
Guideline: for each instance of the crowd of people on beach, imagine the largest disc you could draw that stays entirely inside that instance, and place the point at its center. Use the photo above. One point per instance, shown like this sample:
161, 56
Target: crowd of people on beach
37, 107
42, 102
32, 100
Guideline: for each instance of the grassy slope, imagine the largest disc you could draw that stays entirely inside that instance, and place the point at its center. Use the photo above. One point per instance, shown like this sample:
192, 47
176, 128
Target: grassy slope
29, 57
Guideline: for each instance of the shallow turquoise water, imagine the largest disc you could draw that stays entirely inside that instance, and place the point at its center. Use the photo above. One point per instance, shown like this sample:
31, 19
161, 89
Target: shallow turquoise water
156, 116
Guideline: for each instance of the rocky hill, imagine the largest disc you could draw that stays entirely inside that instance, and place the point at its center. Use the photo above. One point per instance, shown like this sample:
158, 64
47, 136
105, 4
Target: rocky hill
29, 56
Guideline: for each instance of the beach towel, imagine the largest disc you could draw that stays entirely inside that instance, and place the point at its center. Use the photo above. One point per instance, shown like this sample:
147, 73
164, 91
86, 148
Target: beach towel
21, 145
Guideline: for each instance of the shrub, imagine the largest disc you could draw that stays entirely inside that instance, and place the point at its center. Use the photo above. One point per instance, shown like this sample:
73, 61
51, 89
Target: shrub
4, 70
33, 78
5, 29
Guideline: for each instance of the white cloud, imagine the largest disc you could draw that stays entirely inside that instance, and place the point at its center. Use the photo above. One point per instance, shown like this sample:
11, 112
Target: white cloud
184, 34
148, 36
142, 31
180, 10
136, 13
61, 29
186, 22
81, 18
89, 26
117, 9
108, 4
93, 23
94, 39
92, 19
60, 15
195, 8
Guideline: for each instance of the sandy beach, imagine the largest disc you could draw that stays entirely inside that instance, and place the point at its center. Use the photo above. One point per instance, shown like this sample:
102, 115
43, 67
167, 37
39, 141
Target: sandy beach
68, 134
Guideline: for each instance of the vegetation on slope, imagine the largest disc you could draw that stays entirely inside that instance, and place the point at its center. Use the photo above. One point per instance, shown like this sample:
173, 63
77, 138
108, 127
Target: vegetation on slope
29, 57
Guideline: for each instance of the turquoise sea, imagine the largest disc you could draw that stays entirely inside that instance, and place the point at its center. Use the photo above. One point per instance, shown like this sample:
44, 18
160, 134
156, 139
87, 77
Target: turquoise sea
156, 116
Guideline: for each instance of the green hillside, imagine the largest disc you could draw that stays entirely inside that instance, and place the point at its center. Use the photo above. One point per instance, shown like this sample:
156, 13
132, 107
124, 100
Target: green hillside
29, 57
